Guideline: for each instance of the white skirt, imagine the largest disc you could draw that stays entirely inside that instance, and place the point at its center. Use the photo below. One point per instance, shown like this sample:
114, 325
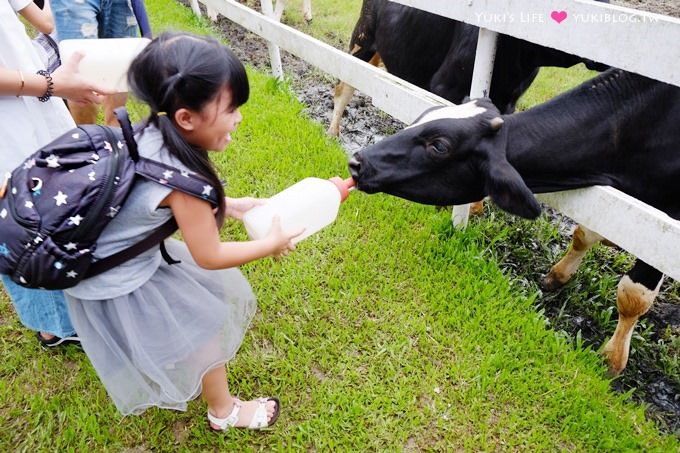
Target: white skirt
152, 347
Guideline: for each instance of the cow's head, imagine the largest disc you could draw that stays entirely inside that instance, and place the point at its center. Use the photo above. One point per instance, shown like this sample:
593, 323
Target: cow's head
449, 155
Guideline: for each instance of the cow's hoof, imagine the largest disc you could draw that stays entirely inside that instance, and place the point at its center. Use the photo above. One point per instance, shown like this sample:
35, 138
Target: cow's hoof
617, 358
552, 282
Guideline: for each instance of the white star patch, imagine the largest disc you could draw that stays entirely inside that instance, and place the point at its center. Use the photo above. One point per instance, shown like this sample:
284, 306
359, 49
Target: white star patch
184, 173
207, 190
70, 246
52, 161
76, 135
3, 213
61, 198
167, 174
72, 274
76, 219
38, 240
113, 210
107, 146
29, 204
120, 144
30, 163
91, 175
95, 156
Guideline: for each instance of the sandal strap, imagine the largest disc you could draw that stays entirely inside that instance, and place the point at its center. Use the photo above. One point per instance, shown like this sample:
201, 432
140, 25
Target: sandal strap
260, 418
230, 420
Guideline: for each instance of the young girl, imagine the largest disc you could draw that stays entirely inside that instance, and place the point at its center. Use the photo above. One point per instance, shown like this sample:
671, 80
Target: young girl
159, 334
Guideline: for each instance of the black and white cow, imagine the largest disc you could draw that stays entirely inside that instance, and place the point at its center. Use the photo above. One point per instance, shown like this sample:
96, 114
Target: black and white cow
619, 129
437, 53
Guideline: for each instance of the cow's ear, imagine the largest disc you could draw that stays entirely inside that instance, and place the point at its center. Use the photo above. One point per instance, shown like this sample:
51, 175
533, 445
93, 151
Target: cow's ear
503, 183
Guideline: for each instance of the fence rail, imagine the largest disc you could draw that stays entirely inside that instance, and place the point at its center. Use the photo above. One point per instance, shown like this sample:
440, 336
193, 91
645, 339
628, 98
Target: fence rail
645, 43
637, 41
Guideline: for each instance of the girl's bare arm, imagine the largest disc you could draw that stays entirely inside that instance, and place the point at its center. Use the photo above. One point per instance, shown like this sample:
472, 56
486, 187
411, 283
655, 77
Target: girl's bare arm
197, 224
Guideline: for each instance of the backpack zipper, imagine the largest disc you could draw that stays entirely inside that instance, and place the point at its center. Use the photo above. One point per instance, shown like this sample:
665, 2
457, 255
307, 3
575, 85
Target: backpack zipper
13, 210
107, 185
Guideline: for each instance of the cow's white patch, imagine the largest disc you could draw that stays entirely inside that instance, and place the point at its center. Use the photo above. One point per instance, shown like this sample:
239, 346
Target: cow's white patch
467, 110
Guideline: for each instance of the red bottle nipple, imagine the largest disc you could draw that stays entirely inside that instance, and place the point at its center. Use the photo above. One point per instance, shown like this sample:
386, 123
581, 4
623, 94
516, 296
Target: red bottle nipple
343, 185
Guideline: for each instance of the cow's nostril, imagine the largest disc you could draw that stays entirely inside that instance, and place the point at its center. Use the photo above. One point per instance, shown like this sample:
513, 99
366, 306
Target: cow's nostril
355, 160
355, 165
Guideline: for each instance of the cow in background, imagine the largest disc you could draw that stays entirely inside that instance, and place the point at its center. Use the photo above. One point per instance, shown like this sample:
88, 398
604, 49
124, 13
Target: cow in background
437, 53
619, 129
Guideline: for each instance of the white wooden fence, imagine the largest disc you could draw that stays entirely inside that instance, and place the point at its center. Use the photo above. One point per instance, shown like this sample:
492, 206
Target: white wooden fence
645, 43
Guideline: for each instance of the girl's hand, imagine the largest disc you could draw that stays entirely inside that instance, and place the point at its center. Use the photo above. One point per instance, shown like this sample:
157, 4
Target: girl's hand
69, 84
236, 207
281, 241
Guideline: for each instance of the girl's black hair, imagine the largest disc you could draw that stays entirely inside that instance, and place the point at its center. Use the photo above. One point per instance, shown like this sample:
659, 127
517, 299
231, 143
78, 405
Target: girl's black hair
181, 70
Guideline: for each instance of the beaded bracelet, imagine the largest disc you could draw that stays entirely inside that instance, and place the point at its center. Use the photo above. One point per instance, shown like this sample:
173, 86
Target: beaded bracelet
50, 86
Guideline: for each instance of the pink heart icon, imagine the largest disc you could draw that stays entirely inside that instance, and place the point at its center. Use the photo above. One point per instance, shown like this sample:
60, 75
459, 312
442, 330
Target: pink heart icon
558, 16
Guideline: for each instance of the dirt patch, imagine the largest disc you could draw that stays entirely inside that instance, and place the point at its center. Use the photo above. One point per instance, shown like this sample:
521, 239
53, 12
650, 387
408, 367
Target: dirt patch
665, 7
364, 124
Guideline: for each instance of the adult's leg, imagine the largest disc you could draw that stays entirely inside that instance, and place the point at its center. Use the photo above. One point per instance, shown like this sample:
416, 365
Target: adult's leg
40, 310
78, 20
117, 20
111, 103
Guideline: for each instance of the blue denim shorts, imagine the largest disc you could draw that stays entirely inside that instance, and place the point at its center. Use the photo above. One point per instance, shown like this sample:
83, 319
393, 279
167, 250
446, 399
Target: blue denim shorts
80, 19
40, 310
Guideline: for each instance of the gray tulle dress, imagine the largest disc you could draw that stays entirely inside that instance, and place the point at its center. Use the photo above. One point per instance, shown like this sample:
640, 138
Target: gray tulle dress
151, 329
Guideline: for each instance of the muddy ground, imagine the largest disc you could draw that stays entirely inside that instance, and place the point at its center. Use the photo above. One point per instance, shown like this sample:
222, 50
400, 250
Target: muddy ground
364, 124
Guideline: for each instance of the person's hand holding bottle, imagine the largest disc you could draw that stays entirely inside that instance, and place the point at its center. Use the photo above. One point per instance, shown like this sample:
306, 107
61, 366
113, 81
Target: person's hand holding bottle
71, 85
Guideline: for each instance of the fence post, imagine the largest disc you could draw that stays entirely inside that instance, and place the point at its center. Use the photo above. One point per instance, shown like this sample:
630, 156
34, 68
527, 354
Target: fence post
481, 83
196, 8
274, 53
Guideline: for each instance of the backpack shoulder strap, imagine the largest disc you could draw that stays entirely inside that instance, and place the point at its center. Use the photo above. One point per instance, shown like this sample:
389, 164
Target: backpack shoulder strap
128, 133
124, 255
184, 181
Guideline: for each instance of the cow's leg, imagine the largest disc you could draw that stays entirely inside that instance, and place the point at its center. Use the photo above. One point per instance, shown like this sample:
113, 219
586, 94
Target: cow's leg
343, 94
582, 240
633, 299
307, 10
477, 208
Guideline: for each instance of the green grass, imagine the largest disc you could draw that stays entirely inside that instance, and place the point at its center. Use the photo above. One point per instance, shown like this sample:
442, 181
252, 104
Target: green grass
387, 331
333, 20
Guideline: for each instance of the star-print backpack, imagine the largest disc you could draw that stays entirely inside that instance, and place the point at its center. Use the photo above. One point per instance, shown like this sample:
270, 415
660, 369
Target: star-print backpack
54, 205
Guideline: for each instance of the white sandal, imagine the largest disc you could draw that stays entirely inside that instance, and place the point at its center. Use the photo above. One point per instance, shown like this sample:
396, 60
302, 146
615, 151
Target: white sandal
258, 421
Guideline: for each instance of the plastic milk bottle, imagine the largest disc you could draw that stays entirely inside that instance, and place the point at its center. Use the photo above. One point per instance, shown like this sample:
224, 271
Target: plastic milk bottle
311, 203
106, 61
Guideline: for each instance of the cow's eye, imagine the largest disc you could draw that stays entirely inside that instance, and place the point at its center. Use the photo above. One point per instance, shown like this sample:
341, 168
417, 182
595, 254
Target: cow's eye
438, 147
